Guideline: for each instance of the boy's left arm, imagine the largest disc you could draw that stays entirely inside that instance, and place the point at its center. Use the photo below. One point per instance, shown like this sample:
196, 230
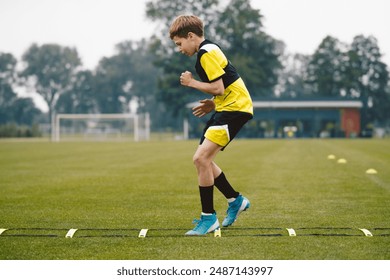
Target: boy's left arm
205, 107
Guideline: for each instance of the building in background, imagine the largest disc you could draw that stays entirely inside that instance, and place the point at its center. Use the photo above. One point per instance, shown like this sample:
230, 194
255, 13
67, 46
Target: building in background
295, 118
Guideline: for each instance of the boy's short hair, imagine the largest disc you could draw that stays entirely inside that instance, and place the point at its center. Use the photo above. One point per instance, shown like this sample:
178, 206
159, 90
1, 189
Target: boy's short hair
184, 24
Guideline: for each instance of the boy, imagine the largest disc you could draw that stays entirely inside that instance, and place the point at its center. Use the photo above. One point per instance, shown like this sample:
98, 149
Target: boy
233, 108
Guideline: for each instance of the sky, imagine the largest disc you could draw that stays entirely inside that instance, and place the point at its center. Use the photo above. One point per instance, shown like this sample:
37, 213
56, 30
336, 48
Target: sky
94, 27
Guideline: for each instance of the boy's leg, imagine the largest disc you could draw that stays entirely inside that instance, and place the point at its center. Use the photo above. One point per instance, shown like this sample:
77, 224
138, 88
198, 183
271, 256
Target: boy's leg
203, 159
236, 202
223, 184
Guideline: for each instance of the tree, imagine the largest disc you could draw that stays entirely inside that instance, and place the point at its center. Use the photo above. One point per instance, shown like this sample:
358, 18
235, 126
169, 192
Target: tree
356, 71
50, 68
24, 111
127, 76
367, 78
325, 70
80, 97
12, 108
7, 94
142, 77
165, 11
171, 63
252, 52
293, 75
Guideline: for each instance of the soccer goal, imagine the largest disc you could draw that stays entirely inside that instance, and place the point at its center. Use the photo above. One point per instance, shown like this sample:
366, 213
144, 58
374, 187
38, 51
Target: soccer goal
100, 127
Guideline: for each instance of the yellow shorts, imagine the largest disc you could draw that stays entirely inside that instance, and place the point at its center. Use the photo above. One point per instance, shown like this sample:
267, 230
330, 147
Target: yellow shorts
224, 126
218, 134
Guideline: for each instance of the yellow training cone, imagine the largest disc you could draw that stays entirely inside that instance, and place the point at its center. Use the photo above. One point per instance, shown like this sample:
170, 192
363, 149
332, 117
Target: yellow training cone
371, 171
331, 157
342, 160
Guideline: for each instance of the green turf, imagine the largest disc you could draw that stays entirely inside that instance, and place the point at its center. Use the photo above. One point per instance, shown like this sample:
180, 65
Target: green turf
109, 191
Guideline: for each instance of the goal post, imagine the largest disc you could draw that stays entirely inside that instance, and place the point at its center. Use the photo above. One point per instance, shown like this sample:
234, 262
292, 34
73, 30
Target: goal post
136, 126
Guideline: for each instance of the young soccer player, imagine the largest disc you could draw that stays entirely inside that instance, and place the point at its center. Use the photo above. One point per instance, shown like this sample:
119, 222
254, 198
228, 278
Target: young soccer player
233, 108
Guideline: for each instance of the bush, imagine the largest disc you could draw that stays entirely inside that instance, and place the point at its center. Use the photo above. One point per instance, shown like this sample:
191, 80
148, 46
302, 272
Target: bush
15, 131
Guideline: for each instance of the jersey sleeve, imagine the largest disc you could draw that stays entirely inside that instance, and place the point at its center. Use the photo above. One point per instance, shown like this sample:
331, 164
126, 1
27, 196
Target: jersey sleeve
212, 66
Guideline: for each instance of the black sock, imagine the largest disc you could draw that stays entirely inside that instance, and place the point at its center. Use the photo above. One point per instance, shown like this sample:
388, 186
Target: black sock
224, 187
207, 199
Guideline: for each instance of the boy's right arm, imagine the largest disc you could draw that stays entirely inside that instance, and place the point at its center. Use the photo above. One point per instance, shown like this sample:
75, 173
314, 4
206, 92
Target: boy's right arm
214, 88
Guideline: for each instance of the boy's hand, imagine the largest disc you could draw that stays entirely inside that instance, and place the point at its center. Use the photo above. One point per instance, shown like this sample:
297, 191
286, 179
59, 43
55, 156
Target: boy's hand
186, 78
205, 107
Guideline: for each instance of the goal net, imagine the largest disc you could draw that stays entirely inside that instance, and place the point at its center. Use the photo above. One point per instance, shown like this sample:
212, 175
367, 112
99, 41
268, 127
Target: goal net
100, 127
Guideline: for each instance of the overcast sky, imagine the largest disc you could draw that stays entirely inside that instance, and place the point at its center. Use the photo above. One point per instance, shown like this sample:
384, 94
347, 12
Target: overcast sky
94, 27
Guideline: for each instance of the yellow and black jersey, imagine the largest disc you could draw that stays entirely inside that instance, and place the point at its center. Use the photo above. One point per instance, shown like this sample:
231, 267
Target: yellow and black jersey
212, 65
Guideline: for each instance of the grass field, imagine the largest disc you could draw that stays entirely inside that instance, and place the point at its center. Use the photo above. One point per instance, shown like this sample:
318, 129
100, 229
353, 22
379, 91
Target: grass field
109, 191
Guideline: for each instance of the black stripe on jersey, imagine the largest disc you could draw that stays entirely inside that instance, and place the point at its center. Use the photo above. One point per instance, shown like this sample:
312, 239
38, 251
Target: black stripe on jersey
227, 105
226, 96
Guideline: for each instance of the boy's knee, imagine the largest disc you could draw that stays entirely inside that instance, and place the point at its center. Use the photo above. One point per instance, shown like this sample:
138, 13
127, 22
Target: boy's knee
198, 160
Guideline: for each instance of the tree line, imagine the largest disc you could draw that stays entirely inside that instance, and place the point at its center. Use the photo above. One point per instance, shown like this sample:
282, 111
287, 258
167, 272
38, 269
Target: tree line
146, 72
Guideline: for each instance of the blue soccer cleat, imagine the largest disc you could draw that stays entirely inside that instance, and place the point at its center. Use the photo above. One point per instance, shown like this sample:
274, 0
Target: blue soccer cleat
206, 224
235, 208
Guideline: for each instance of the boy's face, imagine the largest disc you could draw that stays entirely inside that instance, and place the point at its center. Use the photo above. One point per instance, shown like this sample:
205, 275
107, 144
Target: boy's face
188, 45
